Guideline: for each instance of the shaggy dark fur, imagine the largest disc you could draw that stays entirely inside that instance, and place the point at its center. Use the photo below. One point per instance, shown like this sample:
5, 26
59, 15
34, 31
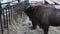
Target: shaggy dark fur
44, 16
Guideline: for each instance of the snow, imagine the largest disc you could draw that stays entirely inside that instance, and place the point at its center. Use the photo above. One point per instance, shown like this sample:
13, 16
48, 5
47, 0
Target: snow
4, 1
50, 2
57, 6
36, 0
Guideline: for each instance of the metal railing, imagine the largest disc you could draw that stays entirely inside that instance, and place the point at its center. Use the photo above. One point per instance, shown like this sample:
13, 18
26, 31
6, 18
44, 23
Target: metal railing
6, 14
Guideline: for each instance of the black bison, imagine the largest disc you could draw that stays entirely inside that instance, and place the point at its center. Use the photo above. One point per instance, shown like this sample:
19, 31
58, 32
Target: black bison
43, 16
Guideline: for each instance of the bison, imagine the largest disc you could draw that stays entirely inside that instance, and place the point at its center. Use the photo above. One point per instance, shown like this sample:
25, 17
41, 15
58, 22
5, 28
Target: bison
43, 16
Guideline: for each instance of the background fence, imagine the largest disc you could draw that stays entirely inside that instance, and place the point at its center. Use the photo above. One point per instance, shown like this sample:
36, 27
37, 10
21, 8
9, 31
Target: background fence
9, 14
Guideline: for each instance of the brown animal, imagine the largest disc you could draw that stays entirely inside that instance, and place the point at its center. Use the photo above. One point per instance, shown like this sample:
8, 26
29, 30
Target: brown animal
44, 16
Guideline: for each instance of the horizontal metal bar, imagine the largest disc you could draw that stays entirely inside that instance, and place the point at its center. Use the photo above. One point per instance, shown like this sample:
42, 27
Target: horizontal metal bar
7, 2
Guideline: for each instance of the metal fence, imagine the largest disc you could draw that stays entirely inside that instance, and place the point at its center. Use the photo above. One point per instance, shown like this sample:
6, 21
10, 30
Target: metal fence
6, 15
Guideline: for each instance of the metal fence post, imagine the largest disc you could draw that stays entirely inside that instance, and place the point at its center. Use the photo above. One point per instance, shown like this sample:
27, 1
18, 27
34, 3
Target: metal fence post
0, 6
7, 17
1, 19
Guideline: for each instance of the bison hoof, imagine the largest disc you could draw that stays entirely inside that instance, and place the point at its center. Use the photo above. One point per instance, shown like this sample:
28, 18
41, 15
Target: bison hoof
32, 28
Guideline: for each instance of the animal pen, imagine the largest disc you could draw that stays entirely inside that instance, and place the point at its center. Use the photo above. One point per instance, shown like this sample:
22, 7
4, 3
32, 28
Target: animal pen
12, 18
9, 14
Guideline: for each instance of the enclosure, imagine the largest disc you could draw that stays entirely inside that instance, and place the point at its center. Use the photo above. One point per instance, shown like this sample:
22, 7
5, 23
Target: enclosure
13, 20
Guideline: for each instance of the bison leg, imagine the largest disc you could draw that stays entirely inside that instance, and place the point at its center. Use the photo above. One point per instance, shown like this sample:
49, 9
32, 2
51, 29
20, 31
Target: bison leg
34, 25
45, 28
